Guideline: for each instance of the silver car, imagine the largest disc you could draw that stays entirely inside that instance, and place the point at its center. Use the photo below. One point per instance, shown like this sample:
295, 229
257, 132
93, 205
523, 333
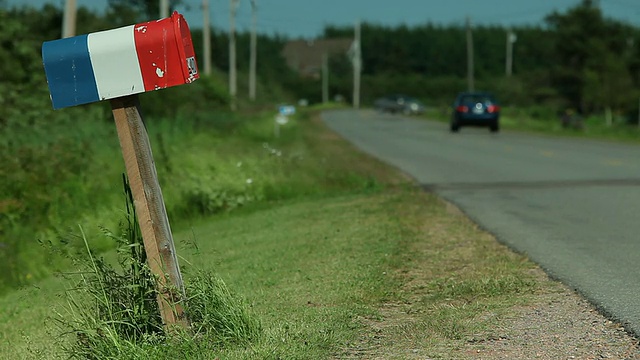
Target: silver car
399, 104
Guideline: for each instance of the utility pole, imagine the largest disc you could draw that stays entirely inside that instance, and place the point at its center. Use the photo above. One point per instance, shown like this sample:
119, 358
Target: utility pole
357, 66
233, 89
511, 39
253, 55
325, 78
69, 19
206, 37
470, 76
164, 9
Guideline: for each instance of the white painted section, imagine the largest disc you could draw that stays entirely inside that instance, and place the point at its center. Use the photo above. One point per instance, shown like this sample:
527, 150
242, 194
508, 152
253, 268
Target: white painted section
142, 28
115, 63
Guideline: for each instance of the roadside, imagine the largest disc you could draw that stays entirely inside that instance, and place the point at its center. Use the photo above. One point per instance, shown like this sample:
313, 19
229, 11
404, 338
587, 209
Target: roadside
546, 320
551, 322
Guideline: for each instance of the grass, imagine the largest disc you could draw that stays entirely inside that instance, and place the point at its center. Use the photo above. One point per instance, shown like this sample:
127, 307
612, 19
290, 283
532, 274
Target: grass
318, 273
361, 263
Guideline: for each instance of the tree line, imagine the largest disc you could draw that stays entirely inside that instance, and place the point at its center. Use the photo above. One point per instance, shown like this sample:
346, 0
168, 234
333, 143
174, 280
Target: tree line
577, 59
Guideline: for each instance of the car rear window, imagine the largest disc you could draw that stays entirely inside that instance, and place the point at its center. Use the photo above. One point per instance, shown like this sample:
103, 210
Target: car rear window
485, 99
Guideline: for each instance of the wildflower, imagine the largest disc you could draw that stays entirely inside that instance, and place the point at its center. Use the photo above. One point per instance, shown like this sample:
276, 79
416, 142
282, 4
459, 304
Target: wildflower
249, 181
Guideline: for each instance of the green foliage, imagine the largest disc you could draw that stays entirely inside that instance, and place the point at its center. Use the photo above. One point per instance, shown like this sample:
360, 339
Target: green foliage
593, 58
192, 101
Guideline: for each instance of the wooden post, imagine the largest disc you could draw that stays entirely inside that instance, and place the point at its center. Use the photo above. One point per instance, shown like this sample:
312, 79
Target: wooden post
233, 86
164, 9
357, 67
149, 204
470, 57
325, 78
206, 37
69, 19
509, 54
253, 56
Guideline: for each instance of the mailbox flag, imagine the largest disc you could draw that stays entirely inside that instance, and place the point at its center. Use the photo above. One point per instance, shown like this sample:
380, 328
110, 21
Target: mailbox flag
119, 62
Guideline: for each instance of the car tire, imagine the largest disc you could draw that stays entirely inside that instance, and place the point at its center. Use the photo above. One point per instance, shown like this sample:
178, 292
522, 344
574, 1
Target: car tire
495, 127
455, 128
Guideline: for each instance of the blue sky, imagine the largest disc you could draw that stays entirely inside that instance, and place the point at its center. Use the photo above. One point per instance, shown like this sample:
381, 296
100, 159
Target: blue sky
306, 18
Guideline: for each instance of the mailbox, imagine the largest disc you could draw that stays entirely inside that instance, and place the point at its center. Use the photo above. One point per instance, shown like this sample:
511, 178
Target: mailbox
119, 62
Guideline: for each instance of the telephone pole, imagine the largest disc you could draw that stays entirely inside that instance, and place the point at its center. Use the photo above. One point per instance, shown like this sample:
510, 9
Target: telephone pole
206, 37
233, 90
470, 76
69, 19
164, 9
511, 38
325, 78
357, 67
253, 55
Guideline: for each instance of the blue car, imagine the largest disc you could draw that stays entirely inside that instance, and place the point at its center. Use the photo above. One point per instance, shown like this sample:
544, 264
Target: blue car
475, 109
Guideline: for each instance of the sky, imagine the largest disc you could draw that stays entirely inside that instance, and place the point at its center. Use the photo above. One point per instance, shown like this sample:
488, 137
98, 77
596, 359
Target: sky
307, 18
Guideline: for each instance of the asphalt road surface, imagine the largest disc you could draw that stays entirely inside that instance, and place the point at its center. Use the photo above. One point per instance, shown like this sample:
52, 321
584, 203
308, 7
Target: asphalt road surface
572, 206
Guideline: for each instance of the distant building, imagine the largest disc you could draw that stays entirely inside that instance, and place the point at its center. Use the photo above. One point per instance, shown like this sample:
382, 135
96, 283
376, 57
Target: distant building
305, 56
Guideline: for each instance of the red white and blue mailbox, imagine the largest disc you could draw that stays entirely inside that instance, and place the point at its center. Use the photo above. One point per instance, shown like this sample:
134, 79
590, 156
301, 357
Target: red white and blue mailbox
119, 62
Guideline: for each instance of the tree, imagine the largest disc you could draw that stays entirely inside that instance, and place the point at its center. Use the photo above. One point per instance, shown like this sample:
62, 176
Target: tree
590, 71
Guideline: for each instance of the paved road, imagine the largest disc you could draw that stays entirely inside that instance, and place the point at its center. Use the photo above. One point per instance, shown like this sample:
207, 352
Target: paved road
573, 206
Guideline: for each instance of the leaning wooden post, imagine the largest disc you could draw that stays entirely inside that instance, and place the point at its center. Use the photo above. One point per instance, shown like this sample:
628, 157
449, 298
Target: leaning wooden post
150, 208
117, 65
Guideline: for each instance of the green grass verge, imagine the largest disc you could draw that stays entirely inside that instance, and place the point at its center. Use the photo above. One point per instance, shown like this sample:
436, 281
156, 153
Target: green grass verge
318, 273
365, 264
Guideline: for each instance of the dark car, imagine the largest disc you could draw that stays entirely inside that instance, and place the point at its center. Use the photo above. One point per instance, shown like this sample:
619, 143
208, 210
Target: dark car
399, 104
475, 109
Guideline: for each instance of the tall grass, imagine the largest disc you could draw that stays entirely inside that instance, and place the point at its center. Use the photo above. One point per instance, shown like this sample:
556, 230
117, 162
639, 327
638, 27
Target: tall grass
65, 170
61, 168
112, 311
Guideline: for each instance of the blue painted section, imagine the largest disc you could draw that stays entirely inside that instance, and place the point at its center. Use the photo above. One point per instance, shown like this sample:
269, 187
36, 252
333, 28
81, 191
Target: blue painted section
69, 72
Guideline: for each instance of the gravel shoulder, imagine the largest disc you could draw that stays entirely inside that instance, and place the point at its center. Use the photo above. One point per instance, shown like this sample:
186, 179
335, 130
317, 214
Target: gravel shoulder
558, 325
